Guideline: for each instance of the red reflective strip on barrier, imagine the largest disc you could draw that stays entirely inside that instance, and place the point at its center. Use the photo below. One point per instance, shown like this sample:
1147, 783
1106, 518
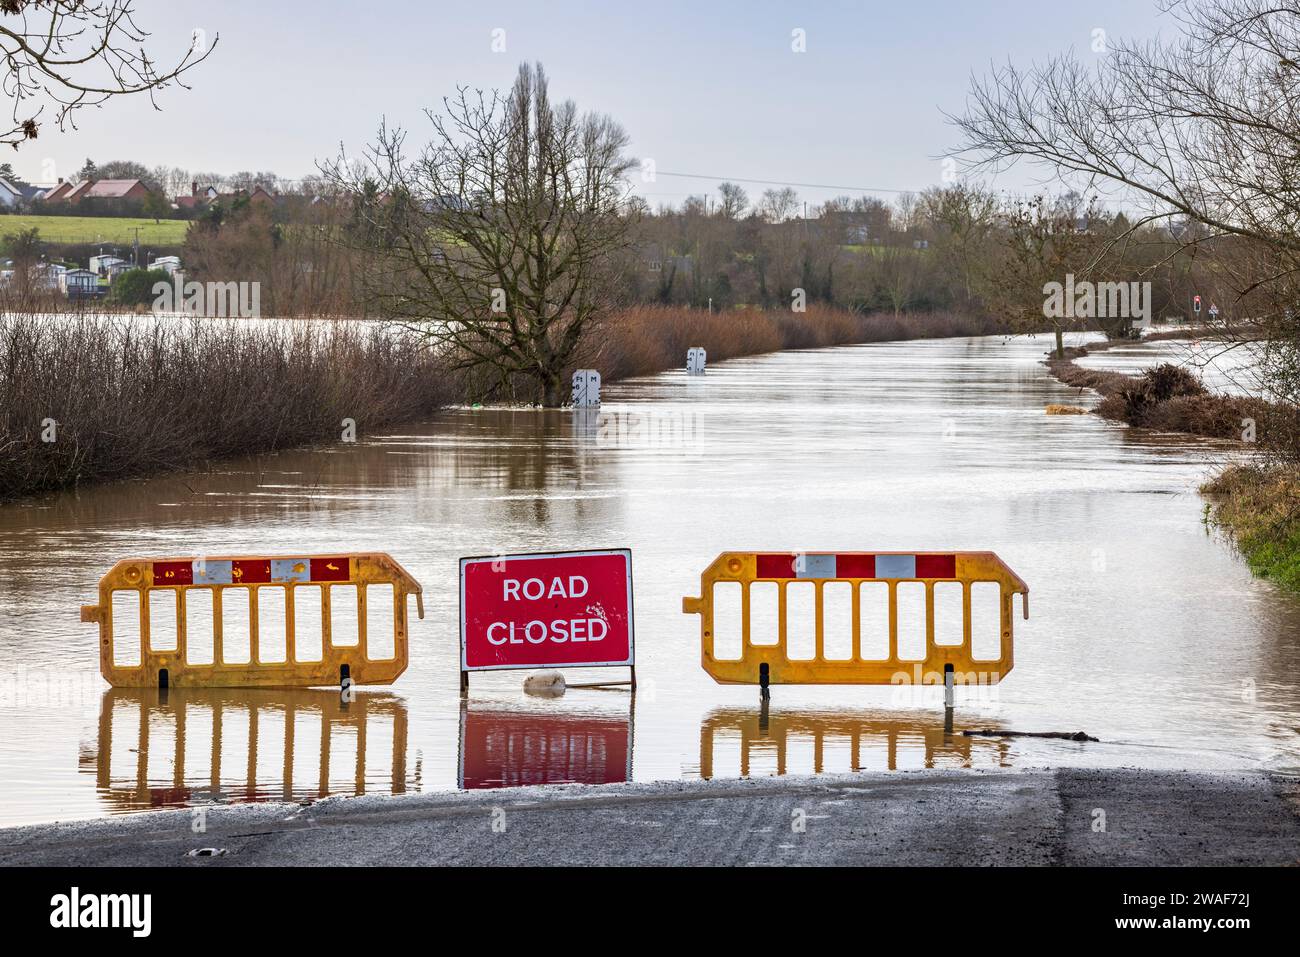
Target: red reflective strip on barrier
936, 566
855, 566
774, 566
173, 573
252, 571
329, 570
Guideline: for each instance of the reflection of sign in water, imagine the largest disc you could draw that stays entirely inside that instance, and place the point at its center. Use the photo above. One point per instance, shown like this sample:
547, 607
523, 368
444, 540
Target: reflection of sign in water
813, 742
547, 610
169, 749
516, 748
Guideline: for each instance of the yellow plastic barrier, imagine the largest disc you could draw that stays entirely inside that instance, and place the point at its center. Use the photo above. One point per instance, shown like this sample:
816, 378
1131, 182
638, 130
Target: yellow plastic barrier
890, 611
296, 621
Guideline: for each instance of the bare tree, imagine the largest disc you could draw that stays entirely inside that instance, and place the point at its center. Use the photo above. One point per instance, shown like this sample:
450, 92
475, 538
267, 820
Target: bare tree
249, 180
219, 180
875, 215
67, 54
27, 253
174, 180
896, 272
962, 219
778, 205
128, 169
1200, 130
1041, 243
733, 200
498, 239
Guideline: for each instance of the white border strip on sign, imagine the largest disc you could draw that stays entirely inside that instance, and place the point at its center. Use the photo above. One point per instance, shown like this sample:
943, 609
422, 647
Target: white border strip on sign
631, 643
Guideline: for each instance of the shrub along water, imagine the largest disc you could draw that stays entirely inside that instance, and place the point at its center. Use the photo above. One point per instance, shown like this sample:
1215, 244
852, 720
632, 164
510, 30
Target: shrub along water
1170, 398
85, 398
1259, 506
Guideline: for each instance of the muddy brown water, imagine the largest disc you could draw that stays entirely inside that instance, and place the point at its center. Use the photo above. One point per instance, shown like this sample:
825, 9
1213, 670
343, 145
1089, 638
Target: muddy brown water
1148, 632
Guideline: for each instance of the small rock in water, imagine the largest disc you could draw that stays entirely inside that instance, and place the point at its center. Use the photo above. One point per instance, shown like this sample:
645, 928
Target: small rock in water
546, 683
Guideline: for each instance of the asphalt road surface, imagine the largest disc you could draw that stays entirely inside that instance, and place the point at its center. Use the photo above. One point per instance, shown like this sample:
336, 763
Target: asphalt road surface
1047, 817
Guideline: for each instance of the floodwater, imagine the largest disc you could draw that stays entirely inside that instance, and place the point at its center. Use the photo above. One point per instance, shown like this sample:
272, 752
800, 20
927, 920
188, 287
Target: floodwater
1231, 369
1147, 631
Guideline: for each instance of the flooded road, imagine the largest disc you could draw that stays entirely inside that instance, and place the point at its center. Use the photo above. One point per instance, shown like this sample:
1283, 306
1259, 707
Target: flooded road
1230, 369
1147, 631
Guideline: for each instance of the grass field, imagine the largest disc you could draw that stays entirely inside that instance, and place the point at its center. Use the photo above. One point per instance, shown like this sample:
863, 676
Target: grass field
98, 229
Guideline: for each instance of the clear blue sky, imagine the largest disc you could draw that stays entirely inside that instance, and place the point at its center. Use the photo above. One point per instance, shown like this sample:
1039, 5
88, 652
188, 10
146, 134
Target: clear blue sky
711, 88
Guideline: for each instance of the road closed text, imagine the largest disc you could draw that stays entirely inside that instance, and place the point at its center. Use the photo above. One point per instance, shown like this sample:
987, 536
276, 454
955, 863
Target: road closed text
538, 631
531, 589
535, 632
567, 608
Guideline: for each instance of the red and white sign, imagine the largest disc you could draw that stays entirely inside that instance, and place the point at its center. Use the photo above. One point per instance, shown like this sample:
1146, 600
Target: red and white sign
561, 609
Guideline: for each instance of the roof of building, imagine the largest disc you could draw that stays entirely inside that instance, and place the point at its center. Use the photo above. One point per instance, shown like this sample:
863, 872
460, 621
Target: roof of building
112, 188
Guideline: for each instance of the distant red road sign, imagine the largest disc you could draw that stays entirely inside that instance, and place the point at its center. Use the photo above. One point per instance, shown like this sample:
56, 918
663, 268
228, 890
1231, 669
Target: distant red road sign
548, 610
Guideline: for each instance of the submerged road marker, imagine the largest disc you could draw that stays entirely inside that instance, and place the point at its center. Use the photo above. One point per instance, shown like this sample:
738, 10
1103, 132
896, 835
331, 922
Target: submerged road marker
696, 358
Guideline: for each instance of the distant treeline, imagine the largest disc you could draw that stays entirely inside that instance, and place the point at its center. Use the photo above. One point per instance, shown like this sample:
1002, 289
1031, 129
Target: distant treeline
951, 249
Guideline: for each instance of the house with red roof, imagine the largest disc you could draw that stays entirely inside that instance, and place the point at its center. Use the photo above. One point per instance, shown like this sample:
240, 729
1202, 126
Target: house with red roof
200, 197
59, 192
128, 189
133, 190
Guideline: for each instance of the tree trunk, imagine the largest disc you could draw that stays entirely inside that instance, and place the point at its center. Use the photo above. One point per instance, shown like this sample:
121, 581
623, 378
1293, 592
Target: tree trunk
552, 397
1060, 343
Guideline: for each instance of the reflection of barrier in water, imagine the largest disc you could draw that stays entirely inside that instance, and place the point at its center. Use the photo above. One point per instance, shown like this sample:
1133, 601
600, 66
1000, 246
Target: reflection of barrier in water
193, 746
857, 618
253, 622
504, 748
813, 742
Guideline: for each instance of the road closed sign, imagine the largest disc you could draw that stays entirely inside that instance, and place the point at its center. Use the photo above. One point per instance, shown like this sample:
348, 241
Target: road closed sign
558, 609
